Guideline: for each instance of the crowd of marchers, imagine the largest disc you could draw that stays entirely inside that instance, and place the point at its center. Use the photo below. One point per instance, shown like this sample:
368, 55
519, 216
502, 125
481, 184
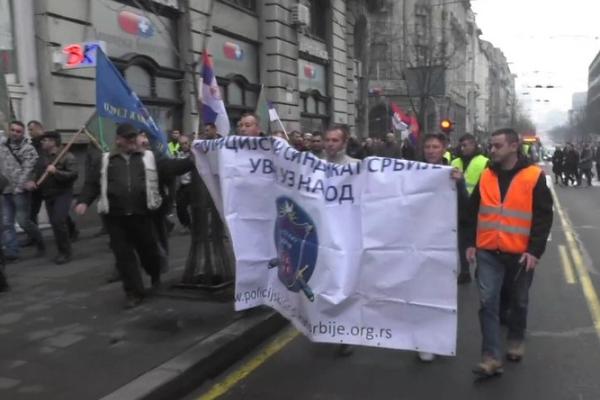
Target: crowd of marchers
572, 163
504, 208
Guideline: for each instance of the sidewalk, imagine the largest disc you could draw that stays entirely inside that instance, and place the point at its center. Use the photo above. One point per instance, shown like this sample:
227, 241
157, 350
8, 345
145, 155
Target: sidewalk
65, 335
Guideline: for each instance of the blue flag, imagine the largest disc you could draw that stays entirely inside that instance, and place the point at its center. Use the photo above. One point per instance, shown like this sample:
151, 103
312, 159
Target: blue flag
115, 100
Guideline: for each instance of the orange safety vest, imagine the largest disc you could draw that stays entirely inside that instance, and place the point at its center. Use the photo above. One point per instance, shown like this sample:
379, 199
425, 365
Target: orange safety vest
505, 226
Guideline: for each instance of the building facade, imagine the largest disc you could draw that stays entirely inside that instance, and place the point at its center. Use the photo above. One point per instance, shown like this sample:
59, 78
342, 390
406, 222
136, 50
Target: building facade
300, 52
427, 57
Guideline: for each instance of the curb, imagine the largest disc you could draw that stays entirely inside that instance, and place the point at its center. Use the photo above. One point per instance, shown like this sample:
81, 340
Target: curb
204, 360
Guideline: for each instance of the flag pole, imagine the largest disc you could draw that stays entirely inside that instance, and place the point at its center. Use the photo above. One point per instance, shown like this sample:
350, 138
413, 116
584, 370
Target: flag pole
197, 88
60, 155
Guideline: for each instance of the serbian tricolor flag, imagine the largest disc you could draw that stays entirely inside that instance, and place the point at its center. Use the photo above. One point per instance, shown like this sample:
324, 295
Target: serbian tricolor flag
404, 122
213, 108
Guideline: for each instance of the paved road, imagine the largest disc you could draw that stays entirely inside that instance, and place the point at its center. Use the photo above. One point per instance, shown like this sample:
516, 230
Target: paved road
563, 347
64, 334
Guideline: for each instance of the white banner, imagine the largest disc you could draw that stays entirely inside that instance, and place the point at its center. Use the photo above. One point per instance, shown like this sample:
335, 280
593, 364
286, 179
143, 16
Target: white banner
364, 253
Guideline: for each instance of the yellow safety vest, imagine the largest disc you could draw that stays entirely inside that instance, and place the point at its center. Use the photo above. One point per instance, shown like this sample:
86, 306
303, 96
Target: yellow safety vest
474, 170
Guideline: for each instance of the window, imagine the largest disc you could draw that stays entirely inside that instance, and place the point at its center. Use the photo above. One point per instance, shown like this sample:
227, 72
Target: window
247, 4
314, 115
8, 53
318, 18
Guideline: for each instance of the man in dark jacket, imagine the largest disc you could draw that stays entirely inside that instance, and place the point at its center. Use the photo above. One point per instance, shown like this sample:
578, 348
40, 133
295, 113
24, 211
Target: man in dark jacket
558, 160
390, 147
57, 190
586, 162
571, 165
127, 183
509, 222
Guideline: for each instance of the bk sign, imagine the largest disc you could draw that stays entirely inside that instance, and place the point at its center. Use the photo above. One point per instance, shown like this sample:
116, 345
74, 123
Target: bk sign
81, 55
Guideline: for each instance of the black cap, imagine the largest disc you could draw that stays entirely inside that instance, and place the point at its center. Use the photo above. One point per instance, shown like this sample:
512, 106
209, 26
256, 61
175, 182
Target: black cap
51, 135
127, 130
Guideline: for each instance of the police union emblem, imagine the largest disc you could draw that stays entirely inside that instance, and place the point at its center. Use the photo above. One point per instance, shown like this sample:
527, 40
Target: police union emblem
297, 246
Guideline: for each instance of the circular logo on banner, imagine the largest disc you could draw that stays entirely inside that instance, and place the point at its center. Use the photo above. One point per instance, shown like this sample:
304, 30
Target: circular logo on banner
297, 246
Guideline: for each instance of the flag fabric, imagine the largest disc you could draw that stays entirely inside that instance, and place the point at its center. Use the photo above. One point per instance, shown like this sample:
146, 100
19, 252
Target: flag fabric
213, 108
398, 117
267, 113
116, 101
405, 122
326, 252
273, 116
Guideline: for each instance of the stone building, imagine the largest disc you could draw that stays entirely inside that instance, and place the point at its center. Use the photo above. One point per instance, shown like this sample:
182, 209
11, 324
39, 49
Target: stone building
301, 51
427, 56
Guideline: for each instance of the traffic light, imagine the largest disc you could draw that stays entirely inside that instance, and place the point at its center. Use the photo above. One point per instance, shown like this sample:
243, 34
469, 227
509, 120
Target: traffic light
446, 125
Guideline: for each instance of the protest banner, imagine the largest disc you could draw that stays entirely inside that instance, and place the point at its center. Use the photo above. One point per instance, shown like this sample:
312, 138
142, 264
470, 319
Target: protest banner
363, 253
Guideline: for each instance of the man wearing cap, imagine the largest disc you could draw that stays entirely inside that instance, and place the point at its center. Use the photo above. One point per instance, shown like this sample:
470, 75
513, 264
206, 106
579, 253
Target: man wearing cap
57, 190
127, 184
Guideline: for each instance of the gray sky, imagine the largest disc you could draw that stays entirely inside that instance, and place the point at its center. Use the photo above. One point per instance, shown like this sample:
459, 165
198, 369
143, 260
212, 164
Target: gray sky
548, 42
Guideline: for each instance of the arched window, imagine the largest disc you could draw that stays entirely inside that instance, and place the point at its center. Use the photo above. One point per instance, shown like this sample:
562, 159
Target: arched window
235, 93
139, 80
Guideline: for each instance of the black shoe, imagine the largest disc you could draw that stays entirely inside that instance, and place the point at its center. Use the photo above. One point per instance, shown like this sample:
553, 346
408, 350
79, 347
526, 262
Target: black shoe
101, 232
41, 252
463, 277
344, 350
114, 277
10, 259
3, 283
133, 301
62, 259
27, 243
74, 236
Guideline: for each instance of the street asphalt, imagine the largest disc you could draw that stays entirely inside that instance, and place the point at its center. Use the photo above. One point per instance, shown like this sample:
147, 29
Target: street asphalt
562, 357
65, 335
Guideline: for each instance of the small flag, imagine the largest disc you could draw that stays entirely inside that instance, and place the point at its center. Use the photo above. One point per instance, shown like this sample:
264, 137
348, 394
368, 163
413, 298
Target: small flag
213, 108
115, 100
402, 121
273, 116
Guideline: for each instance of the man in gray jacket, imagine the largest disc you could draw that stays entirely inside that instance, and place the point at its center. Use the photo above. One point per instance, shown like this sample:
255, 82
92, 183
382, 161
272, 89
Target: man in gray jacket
19, 158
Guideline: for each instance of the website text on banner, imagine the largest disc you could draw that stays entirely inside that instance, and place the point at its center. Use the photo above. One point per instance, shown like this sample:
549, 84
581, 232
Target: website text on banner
363, 253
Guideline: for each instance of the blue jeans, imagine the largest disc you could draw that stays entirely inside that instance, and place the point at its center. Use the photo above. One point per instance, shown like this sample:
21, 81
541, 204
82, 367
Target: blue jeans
496, 270
18, 206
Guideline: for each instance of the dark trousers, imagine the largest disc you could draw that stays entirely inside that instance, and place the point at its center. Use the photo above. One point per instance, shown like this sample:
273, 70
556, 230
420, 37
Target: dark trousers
133, 237
57, 208
36, 206
598, 170
588, 175
183, 201
462, 250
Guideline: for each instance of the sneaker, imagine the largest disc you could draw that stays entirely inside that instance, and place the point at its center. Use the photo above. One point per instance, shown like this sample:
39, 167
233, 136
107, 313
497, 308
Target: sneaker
426, 357
344, 350
463, 277
516, 350
488, 367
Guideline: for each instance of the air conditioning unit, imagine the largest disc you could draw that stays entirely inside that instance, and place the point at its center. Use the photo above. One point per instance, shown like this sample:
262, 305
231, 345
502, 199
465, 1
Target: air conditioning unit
300, 15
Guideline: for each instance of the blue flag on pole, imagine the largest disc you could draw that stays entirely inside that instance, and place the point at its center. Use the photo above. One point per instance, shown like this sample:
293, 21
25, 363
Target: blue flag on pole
115, 100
